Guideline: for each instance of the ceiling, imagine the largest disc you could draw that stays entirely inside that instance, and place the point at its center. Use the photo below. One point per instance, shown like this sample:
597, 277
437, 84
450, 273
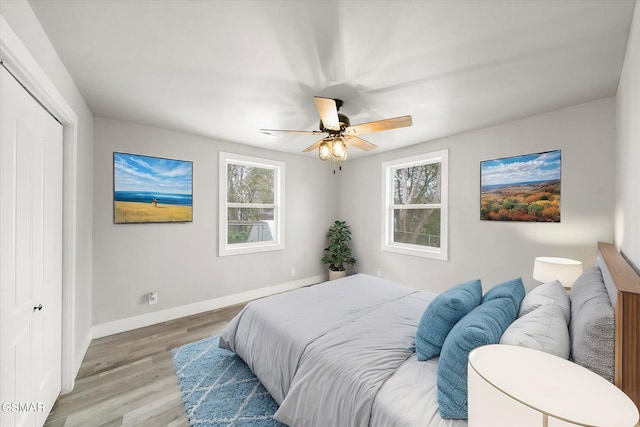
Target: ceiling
225, 69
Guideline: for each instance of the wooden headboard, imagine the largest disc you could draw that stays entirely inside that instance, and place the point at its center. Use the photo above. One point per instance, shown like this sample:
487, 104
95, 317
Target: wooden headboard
627, 312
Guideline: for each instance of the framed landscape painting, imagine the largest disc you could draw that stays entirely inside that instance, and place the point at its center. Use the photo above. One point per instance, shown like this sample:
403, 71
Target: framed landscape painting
151, 189
521, 188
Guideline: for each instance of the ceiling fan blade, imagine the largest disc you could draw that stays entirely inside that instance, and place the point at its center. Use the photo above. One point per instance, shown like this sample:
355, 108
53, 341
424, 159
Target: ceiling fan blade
380, 125
360, 143
313, 147
278, 131
328, 112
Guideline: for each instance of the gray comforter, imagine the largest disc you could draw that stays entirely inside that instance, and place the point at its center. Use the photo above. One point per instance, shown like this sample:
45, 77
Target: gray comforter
323, 352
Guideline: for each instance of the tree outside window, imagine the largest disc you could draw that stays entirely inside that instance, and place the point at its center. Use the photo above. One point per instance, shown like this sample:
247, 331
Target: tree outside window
252, 216
415, 205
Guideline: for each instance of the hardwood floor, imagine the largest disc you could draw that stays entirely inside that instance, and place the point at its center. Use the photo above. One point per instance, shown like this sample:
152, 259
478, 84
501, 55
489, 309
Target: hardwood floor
128, 379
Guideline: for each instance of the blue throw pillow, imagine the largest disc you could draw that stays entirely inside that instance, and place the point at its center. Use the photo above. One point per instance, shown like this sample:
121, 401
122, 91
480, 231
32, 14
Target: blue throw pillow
484, 325
513, 289
442, 314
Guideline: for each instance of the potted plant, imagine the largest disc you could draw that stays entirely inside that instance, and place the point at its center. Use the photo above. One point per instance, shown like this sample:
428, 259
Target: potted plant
338, 253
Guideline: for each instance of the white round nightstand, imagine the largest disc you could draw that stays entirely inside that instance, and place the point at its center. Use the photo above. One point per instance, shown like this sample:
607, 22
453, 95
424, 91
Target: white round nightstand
512, 386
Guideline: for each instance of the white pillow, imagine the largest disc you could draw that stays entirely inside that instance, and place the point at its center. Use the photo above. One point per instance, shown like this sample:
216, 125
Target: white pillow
551, 292
542, 329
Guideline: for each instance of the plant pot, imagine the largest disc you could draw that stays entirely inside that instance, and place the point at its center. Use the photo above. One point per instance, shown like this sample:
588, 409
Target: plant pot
333, 275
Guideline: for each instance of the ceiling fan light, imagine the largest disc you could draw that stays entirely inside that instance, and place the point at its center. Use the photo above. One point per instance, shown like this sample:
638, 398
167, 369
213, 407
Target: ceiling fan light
324, 151
344, 155
339, 149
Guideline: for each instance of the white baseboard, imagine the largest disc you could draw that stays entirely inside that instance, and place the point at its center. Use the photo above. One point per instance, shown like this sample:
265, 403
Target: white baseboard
135, 322
83, 351
79, 357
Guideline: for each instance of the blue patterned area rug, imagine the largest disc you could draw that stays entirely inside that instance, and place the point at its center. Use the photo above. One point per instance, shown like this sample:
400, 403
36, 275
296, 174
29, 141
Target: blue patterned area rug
219, 389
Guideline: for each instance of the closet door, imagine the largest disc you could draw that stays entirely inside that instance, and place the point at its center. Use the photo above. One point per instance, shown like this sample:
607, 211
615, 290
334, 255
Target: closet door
30, 256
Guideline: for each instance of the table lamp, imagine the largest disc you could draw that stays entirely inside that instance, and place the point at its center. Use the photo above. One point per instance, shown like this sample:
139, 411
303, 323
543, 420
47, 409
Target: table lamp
513, 386
566, 271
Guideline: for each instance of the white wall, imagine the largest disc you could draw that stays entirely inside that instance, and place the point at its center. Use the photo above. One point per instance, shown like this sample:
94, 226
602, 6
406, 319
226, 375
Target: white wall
179, 261
496, 251
627, 218
24, 23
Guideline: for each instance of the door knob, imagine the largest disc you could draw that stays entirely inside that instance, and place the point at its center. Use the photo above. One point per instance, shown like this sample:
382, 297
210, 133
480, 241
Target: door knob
39, 307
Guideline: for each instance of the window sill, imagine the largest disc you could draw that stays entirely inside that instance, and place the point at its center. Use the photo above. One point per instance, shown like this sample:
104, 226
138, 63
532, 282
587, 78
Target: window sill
250, 249
426, 252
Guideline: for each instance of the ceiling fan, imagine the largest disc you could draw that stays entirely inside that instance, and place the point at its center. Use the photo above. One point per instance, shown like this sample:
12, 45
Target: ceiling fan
339, 130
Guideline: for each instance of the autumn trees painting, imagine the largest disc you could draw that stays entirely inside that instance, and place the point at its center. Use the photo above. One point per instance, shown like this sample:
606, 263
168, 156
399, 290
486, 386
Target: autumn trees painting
521, 188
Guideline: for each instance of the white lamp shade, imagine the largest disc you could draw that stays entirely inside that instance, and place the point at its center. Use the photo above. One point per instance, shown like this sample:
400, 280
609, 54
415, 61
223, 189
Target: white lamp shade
566, 271
513, 386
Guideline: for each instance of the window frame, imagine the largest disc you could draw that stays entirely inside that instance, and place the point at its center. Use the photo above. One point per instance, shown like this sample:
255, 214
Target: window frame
388, 206
226, 249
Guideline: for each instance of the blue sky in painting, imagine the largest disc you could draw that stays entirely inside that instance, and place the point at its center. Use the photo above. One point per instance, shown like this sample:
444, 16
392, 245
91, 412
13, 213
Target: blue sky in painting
142, 173
527, 168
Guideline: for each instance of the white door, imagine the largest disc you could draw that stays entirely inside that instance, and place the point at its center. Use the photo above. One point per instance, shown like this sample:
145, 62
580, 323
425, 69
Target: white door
30, 257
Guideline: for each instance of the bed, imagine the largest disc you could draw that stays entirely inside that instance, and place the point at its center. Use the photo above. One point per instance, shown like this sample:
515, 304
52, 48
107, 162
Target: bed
342, 353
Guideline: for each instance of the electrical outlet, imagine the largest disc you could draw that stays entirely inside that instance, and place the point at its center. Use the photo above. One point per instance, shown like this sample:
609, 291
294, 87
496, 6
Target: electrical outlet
379, 273
293, 272
153, 298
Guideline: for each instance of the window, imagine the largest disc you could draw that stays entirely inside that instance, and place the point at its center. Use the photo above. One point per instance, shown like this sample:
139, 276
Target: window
415, 205
251, 205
